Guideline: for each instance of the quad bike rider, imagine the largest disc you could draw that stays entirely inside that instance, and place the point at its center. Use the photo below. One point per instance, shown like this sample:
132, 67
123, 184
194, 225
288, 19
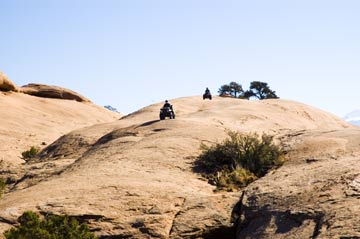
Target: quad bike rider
167, 111
207, 94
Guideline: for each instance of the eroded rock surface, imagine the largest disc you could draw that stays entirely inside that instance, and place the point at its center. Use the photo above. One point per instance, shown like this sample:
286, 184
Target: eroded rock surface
33, 121
314, 195
134, 178
48, 91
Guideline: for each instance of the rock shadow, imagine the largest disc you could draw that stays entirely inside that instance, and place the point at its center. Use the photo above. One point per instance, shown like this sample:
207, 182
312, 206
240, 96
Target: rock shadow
223, 232
255, 221
148, 123
114, 135
284, 224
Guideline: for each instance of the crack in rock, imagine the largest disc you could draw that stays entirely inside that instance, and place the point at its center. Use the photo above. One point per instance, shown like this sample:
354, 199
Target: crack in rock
176, 215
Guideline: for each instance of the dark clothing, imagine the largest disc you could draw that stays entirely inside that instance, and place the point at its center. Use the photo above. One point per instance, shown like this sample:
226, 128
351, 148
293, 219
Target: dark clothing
167, 105
207, 91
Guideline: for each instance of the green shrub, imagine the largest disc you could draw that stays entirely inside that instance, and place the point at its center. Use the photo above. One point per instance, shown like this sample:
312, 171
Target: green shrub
2, 186
232, 180
239, 159
30, 153
52, 227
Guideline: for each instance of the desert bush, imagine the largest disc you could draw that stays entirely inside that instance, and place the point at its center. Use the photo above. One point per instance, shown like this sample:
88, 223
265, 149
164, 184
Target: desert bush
52, 227
30, 153
2, 186
232, 180
239, 159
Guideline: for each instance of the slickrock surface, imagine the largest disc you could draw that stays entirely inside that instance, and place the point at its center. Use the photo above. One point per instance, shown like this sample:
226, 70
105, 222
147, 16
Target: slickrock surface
33, 121
133, 178
316, 194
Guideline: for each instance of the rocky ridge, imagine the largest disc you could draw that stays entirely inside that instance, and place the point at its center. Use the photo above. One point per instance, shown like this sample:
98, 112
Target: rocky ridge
28, 120
56, 92
133, 177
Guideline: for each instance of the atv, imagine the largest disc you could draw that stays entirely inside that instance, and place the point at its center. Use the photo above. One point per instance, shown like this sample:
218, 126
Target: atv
166, 112
207, 96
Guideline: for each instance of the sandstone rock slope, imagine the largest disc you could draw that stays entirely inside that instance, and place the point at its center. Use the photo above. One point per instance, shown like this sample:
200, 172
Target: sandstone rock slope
33, 121
133, 178
314, 195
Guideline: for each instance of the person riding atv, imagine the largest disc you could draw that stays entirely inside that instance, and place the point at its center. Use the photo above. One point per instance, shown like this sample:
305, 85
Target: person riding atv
167, 104
207, 94
167, 111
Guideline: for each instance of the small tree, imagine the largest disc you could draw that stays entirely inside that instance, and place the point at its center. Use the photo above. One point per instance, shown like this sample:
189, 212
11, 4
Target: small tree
260, 90
234, 89
224, 90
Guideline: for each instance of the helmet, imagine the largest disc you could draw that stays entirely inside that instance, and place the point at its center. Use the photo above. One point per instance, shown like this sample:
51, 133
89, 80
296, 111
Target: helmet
166, 101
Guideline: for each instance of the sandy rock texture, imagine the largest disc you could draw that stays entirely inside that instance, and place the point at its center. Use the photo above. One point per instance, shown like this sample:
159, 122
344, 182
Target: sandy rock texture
314, 195
33, 121
133, 177
6, 84
48, 91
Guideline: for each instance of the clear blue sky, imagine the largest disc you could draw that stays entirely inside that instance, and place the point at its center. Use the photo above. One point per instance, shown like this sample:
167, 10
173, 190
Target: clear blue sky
132, 53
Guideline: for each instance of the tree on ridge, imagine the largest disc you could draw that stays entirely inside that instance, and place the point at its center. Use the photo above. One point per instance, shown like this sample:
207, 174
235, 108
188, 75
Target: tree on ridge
260, 90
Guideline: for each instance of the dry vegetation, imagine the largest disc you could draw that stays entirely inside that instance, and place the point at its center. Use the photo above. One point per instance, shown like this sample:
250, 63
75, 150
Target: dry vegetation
239, 159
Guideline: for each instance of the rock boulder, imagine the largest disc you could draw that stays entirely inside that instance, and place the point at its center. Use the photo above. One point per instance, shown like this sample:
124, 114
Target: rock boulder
48, 91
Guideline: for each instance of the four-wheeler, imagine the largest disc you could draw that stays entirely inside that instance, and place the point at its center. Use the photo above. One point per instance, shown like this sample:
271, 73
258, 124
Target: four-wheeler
167, 112
207, 95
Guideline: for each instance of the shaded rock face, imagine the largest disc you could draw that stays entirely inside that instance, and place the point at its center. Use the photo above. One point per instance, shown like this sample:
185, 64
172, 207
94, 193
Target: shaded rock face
314, 195
47, 91
6, 84
134, 178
